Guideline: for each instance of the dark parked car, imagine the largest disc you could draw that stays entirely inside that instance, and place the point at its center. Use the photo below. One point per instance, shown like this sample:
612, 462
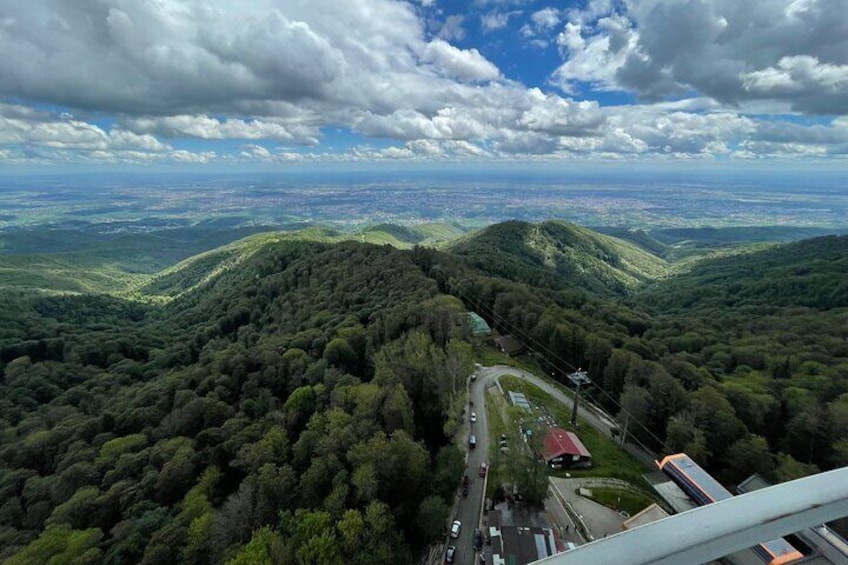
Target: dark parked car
478, 540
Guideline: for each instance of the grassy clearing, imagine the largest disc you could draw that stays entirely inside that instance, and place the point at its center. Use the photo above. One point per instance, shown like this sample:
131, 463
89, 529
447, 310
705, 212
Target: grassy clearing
621, 499
608, 459
488, 355
495, 411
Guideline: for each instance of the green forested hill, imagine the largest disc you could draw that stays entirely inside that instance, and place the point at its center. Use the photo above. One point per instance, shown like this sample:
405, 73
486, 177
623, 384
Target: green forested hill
142, 252
558, 255
764, 336
811, 273
419, 234
159, 265
75, 261
295, 407
683, 246
664, 241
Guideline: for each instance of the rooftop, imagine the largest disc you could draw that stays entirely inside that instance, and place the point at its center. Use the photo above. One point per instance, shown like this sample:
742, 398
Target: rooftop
650, 514
669, 491
509, 344
517, 545
559, 442
478, 324
518, 399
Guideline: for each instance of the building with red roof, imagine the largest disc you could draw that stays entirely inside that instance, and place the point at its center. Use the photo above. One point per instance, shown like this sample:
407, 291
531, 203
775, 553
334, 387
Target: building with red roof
564, 449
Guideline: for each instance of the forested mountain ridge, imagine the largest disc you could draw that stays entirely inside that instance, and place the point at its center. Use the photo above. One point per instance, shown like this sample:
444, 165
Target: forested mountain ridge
168, 260
676, 243
296, 404
202, 267
558, 254
431, 234
812, 273
87, 261
760, 340
160, 265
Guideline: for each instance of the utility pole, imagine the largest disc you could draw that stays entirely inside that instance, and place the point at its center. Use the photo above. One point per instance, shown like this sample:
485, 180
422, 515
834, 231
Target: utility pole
578, 378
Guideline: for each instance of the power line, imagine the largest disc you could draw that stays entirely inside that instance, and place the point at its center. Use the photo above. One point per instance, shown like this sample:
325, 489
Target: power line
555, 356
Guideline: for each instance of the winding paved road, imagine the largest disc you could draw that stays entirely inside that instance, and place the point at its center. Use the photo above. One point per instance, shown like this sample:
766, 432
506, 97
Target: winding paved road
490, 374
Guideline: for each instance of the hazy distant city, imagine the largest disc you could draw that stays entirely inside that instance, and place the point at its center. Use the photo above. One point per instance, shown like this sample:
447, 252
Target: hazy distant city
352, 200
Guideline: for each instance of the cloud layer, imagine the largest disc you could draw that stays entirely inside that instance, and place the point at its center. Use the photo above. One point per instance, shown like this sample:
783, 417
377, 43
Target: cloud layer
792, 53
129, 81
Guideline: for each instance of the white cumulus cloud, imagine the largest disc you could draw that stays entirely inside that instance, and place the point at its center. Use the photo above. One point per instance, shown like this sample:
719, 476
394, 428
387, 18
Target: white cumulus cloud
789, 52
698, 76
546, 18
463, 64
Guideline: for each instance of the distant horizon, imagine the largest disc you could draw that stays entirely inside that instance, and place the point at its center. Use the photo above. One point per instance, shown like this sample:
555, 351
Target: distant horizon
595, 168
615, 198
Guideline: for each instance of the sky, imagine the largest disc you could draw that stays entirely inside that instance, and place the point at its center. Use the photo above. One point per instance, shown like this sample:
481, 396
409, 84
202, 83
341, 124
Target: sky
276, 84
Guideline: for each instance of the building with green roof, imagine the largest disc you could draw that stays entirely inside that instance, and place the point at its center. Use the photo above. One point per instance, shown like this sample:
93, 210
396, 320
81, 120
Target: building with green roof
478, 324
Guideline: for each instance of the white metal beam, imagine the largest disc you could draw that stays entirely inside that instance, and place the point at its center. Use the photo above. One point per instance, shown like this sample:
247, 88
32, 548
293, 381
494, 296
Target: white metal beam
721, 528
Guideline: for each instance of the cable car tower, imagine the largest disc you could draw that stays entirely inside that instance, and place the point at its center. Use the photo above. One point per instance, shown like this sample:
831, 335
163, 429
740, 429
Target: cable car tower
579, 378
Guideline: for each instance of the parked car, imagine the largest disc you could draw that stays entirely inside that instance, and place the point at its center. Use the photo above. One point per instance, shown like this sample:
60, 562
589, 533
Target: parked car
464, 490
455, 528
483, 468
472, 441
450, 554
473, 417
478, 540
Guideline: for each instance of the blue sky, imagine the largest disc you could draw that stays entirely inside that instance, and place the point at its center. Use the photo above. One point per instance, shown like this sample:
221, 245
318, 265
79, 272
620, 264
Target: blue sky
281, 84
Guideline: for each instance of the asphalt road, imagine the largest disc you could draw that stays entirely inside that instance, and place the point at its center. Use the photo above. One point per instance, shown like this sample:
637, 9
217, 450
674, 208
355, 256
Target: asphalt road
468, 509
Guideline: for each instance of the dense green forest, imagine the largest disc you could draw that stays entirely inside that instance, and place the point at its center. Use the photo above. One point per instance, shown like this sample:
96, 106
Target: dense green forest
297, 405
